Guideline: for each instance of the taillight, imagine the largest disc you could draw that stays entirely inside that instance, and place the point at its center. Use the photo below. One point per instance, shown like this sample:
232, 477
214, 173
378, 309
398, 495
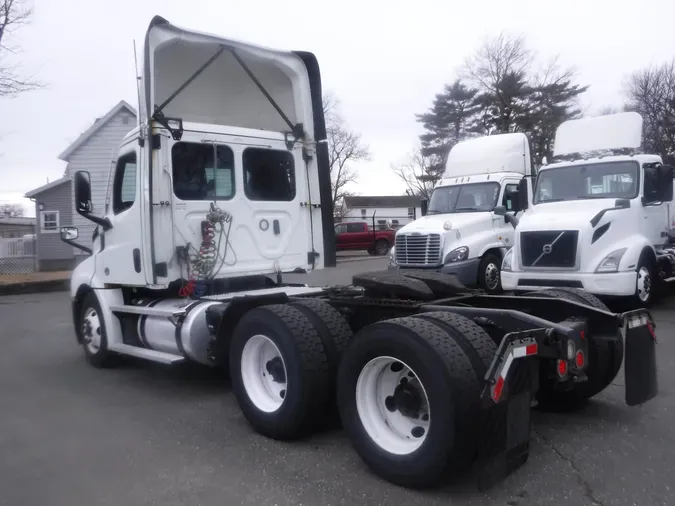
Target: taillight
580, 360
562, 368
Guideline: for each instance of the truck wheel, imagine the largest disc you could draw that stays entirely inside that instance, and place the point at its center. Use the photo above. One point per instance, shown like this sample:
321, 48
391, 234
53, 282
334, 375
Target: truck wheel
489, 273
381, 247
279, 371
604, 360
92, 330
645, 283
408, 397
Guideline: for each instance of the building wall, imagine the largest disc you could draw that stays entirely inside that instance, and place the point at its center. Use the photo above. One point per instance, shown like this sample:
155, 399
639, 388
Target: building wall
382, 213
97, 156
52, 252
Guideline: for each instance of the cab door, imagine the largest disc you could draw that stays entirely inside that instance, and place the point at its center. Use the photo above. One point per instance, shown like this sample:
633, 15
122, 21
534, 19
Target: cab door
120, 259
509, 199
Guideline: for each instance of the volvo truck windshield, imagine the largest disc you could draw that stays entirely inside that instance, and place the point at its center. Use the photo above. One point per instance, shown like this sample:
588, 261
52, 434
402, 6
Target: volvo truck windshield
618, 179
474, 197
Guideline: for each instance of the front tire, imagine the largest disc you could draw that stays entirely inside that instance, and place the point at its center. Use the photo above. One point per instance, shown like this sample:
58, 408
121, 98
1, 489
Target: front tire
91, 327
645, 283
489, 274
408, 397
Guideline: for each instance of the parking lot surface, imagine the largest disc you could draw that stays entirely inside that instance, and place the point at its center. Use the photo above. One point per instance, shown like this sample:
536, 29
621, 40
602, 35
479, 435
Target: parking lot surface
141, 434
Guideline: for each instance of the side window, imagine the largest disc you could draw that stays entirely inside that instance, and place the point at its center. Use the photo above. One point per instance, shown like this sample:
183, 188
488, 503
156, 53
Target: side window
269, 175
202, 171
340, 229
355, 227
651, 191
510, 196
124, 187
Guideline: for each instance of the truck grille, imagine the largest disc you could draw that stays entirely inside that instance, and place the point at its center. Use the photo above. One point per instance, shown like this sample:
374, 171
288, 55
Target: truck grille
551, 248
418, 249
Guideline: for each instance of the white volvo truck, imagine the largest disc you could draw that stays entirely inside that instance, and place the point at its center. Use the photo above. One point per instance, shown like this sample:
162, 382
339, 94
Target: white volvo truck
467, 228
222, 188
600, 217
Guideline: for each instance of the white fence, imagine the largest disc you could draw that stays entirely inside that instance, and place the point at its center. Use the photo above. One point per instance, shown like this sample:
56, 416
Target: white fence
17, 256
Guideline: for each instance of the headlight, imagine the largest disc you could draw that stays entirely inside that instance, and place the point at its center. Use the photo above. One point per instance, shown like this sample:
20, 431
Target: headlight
611, 262
507, 263
457, 255
392, 255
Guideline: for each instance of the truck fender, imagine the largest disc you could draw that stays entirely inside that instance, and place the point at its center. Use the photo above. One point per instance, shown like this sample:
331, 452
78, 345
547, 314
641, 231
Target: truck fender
232, 313
637, 247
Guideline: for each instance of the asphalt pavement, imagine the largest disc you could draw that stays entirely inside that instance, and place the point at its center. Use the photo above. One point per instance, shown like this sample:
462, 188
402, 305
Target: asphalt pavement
144, 434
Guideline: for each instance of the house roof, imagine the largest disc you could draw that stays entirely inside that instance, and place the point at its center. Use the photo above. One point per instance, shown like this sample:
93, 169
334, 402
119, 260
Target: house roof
98, 123
46, 187
16, 220
383, 201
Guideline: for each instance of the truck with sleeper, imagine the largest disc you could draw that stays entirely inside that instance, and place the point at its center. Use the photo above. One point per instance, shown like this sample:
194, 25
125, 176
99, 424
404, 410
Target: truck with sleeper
461, 233
599, 218
222, 188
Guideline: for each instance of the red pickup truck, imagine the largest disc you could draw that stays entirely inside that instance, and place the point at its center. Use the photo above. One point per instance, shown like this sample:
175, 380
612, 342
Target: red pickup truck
357, 235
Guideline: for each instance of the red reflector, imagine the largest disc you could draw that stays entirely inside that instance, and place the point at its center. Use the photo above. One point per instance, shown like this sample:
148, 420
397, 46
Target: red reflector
562, 368
531, 349
582, 334
579, 359
499, 386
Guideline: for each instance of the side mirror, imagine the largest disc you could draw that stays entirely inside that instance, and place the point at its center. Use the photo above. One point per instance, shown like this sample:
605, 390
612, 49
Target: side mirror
82, 183
500, 211
424, 206
523, 201
69, 233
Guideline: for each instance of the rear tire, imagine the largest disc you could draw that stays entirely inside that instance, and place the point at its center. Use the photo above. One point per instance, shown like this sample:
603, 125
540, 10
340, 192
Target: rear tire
280, 372
381, 247
387, 427
604, 360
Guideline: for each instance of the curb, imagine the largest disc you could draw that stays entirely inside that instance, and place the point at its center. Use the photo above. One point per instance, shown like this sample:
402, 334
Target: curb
342, 260
54, 285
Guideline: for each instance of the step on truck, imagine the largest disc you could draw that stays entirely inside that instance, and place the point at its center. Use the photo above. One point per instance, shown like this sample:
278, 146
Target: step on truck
468, 226
222, 188
600, 217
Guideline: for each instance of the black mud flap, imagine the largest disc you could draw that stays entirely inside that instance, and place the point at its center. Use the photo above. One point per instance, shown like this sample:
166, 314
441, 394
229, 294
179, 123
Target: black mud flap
640, 356
511, 384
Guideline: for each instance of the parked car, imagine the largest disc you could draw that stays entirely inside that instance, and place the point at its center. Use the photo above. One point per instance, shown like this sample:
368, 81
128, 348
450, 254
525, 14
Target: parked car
358, 235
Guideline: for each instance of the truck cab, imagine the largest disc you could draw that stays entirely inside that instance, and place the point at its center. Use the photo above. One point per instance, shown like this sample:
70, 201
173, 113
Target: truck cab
468, 226
600, 216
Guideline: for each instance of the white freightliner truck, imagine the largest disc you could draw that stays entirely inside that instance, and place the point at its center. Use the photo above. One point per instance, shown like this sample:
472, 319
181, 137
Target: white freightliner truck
461, 234
222, 188
599, 218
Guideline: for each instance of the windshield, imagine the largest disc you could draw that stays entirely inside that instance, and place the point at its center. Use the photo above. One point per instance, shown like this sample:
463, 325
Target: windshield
588, 181
464, 198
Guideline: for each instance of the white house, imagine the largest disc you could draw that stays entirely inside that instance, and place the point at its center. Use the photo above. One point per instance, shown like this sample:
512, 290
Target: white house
94, 151
395, 211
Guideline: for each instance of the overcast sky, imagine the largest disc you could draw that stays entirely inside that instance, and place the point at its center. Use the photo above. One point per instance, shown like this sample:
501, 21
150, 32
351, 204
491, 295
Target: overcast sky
384, 60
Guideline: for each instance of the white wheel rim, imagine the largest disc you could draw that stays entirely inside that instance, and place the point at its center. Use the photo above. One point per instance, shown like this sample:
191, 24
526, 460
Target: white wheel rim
91, 330
263, 372
492, 276
398, 424
644, 284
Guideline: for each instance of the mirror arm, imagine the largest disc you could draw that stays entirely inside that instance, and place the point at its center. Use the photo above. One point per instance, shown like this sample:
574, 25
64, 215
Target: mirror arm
78, 246
103, 222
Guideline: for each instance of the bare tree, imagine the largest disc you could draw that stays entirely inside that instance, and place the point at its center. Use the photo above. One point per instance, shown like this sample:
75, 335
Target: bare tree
344, 148
418, 174
11, 210
651, 92
14, 14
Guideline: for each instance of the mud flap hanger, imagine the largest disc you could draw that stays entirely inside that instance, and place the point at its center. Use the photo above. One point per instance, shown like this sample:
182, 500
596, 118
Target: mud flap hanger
175, 125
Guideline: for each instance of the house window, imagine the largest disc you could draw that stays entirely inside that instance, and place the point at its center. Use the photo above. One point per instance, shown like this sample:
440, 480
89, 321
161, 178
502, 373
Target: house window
411, 213
363, 213
49, 222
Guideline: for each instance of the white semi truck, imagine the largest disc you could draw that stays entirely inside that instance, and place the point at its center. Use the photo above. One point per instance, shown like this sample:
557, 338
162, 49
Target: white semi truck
222, 188
463, 232
599, 218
